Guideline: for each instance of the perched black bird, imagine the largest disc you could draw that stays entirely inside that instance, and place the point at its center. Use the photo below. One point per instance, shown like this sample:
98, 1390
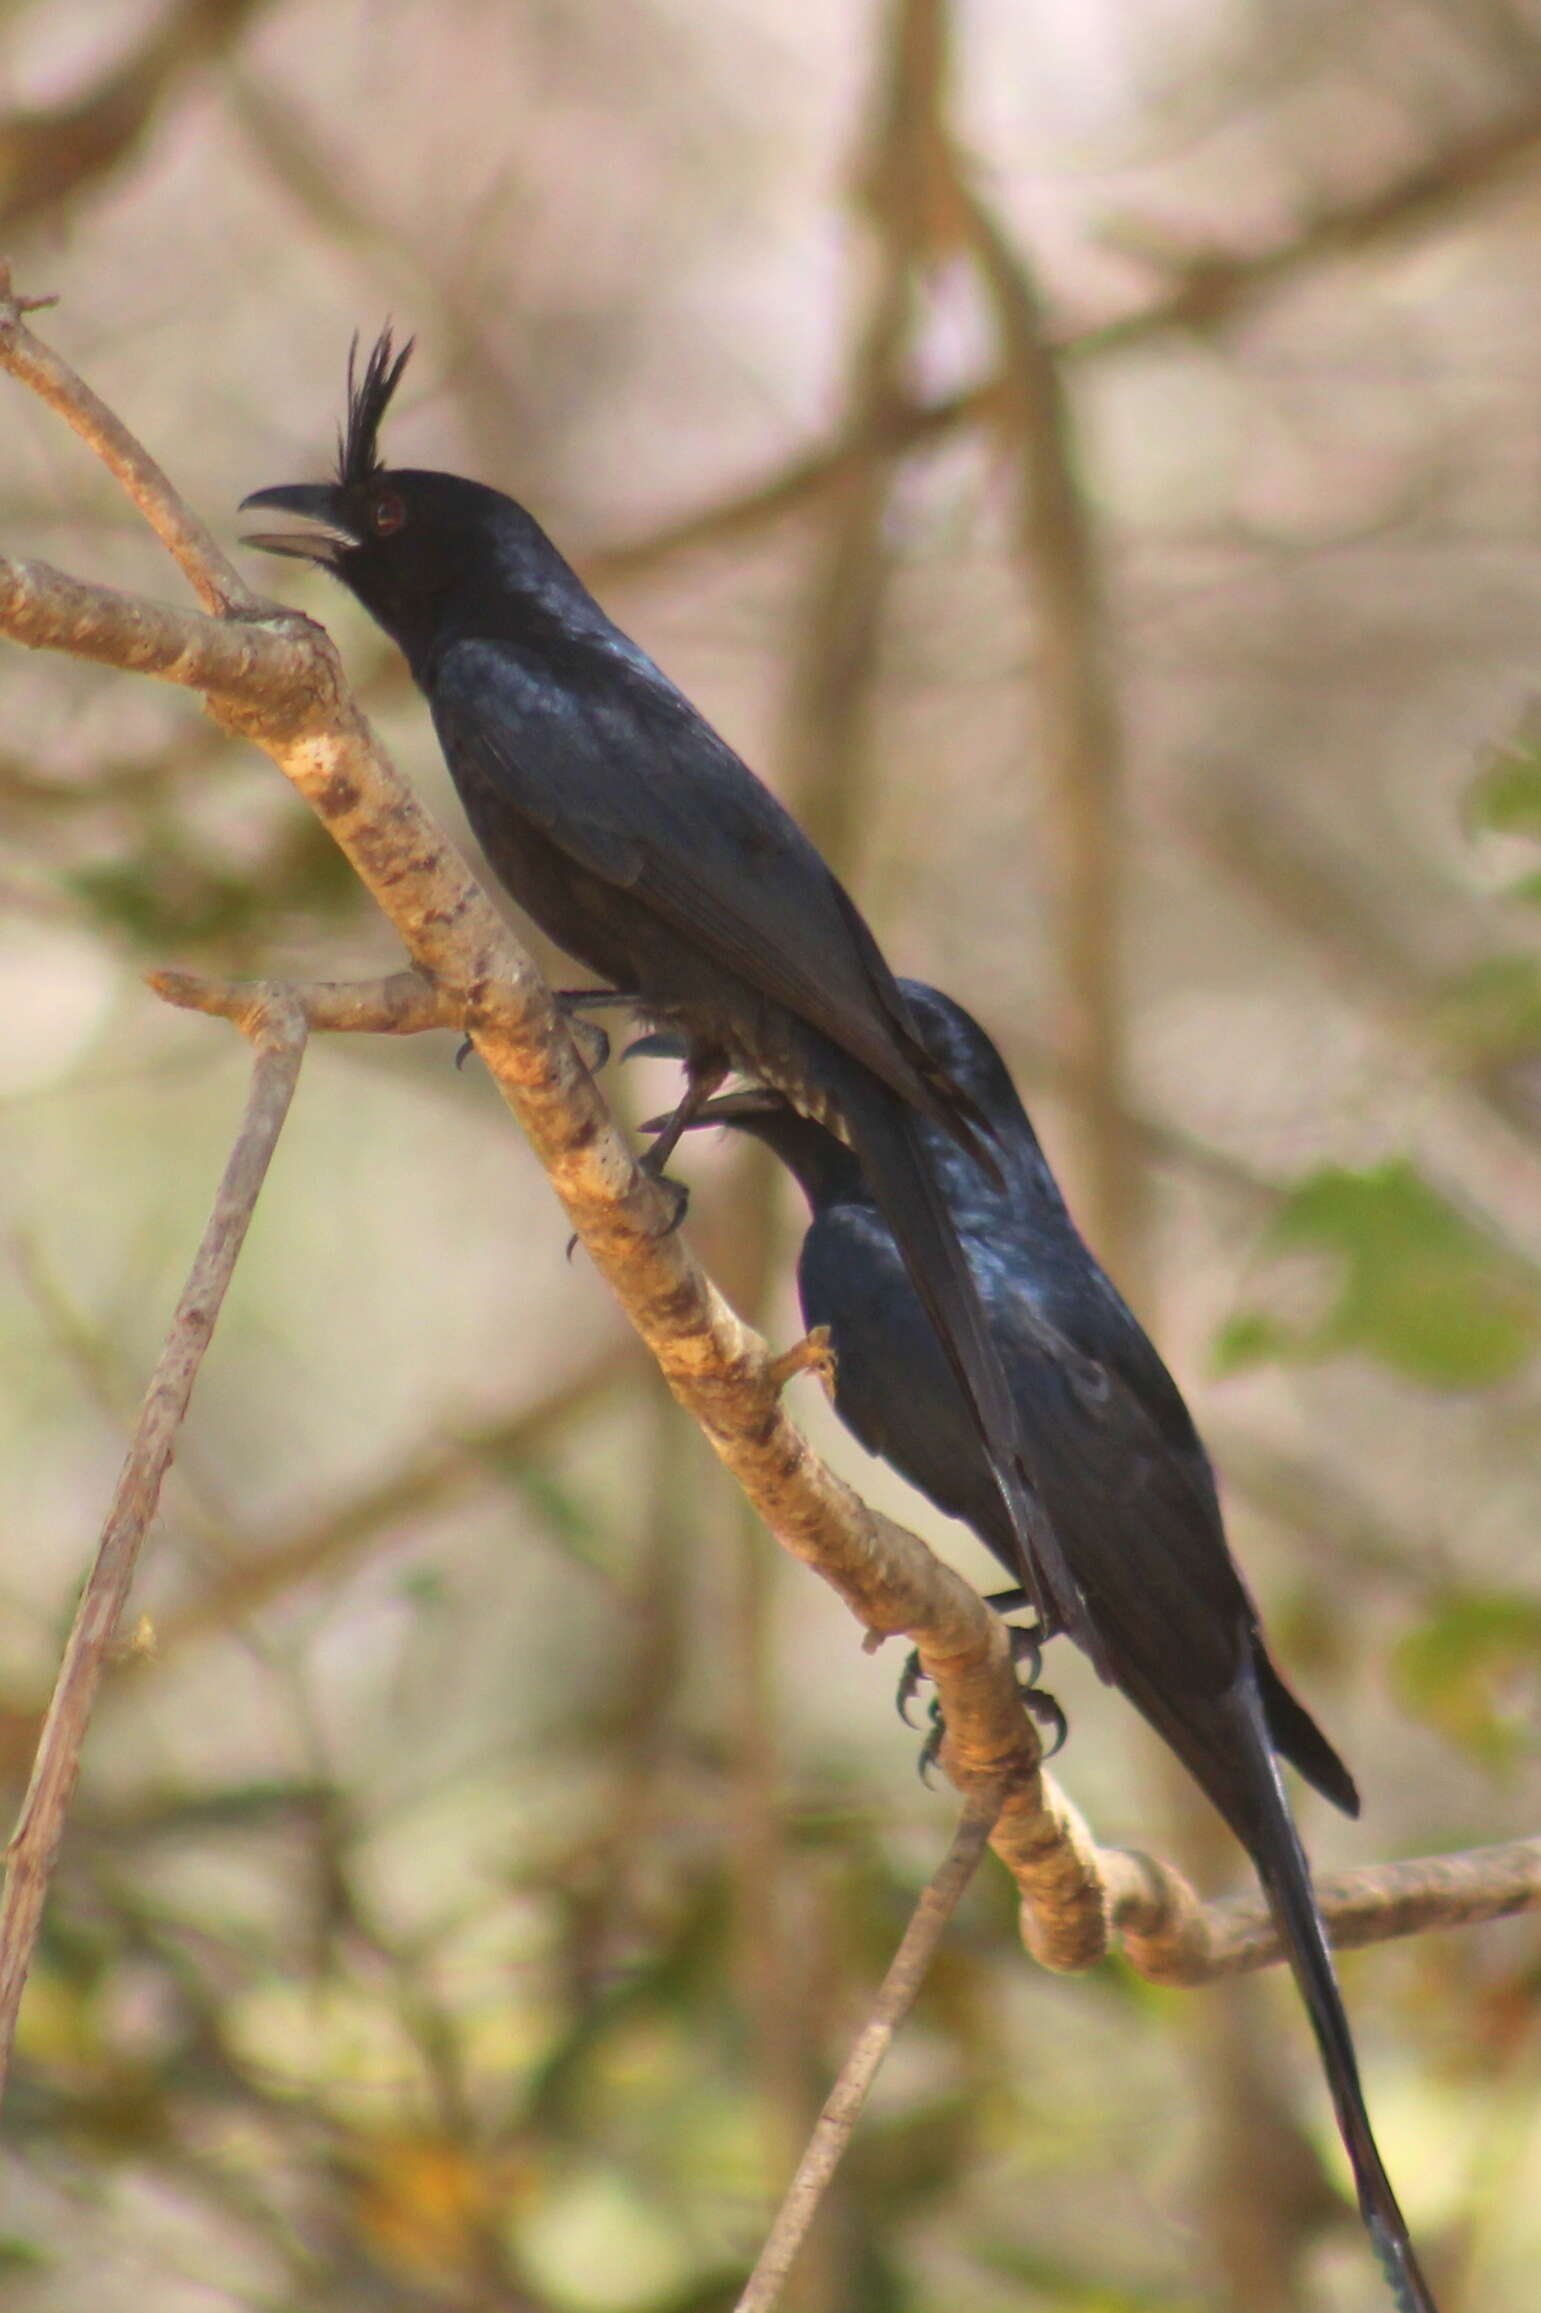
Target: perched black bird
641, 843
1123, 1477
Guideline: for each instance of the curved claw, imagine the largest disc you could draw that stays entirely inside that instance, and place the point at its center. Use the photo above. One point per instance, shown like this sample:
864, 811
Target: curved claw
465, 1052
931, 1749
681, 1198
593, 1043
1025, 1649
911, 1679
1045, 1712
658, 1044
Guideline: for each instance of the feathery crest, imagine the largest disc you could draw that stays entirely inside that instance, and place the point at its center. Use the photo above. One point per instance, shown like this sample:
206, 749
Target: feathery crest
358, 443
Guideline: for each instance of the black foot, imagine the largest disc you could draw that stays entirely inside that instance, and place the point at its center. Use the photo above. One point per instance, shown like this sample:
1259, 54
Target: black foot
1027, 1643
1046, 1714
931, 1748
465, 1052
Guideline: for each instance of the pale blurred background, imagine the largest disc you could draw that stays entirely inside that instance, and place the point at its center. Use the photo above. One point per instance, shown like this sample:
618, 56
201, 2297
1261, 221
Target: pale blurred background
467, 1900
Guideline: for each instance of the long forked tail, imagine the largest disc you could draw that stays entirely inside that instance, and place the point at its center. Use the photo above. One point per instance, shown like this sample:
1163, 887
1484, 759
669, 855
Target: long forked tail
886, 1136
1285, 1874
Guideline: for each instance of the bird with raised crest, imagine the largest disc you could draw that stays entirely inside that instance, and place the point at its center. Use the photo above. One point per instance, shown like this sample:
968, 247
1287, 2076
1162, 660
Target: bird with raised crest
642, 845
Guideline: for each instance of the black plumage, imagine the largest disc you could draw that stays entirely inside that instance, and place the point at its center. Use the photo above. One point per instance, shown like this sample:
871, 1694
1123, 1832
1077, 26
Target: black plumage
641, 844
1123, 1477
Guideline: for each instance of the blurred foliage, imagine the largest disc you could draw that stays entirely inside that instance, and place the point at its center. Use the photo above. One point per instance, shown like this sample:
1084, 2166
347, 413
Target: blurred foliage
1473, 1670
1506, 797
1414, 1284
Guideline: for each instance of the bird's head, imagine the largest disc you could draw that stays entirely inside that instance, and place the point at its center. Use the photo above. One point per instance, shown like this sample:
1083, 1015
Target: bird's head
956, 1041
418, 549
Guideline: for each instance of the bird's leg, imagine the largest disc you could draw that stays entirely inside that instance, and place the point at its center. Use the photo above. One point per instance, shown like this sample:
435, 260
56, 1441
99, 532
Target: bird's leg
812, 1354
1027, 1641
704, 1074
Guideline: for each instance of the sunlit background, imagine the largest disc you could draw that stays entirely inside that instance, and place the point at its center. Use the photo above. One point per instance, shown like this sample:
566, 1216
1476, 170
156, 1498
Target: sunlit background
1088, 457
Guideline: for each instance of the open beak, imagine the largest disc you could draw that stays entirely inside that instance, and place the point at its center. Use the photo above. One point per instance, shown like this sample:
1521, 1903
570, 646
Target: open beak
317, 503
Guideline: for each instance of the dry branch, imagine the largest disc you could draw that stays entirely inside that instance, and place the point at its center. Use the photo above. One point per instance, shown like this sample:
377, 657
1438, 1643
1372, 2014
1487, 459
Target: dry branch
278, 682
842, 2108
1172, 1938
277, 1032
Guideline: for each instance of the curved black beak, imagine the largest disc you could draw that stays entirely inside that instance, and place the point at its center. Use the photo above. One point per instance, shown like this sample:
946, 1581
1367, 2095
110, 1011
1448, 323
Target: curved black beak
316, 502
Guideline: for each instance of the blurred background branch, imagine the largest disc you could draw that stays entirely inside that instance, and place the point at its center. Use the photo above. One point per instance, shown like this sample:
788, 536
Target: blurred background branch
336, 1994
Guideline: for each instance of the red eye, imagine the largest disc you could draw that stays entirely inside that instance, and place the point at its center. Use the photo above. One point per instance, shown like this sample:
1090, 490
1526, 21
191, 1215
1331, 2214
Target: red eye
386, 513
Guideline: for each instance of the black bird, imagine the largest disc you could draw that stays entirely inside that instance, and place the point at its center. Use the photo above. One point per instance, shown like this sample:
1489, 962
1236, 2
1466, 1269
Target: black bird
1123, 1477
642, 845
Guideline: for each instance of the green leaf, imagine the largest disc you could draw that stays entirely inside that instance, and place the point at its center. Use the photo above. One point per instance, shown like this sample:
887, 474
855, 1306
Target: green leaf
1506, 796
19, 2256
1493, 1013
161, 902
1472, 1670
1416, 1285
1250, 1338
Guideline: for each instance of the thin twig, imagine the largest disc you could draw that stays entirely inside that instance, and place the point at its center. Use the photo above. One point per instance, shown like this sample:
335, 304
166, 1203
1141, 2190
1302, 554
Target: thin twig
832, 2132
401, 1004
253, 664
278, 1034
279, 683
215, 580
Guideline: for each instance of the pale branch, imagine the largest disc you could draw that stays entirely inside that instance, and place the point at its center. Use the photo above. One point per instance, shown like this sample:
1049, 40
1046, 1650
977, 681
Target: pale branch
428, 1477
215, 580
280, 685
277, 1032
237, 661
401, 1004
1170, 1937
431, 1475
1078, 1899
842, 2107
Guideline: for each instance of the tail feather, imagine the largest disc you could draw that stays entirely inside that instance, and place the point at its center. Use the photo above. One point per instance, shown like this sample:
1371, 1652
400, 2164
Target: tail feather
887, 1138
1282, 1868
1296, 1736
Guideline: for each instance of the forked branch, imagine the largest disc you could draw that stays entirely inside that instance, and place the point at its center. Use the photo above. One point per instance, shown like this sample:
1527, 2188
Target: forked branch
274, 677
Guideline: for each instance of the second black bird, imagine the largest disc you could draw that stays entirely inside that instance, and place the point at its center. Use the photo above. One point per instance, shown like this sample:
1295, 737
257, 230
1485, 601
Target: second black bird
1124, 1479
642, 845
